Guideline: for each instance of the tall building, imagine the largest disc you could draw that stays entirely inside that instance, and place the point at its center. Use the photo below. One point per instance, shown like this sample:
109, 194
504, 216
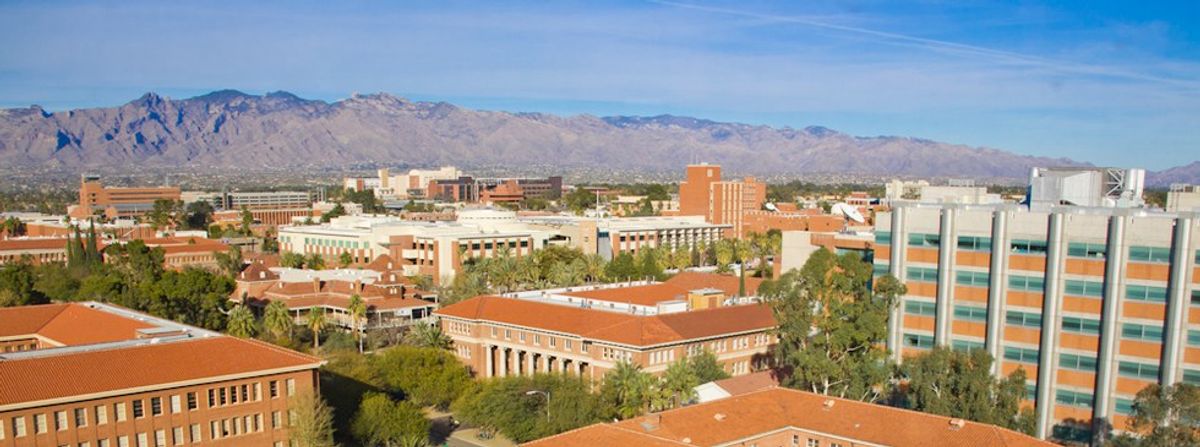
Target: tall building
587, 330
785, 417
1095, 303
703, 193
1183, 198
115, 202
92, 374
494, 190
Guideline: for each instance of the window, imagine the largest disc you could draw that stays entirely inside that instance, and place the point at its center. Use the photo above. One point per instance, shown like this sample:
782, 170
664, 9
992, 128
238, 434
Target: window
1124, 406
212, 400
971, 279
965, 345
1146, 293
970, 313
195, 433
137, 409
119, 409
1080, 325
1084, 288
19, 426
912, 307
101, 414
1027, 246
1144, 332
553, 342
1026, 319
1150, 254
1086, 250
918, 341
81, 417
276, 419
924, 240
1193, 338
1191, 377
156, 406
1138, 370
176, 404
880, 269
883, 238
221, 397
1026, 283
291, 387
1077, 362
160, 438
60, 421
975, 243
257, 391
1196, 297
142, 440
123, 441
922, 274
39, 423
273, 389
1073, 398
177, 436
191, 401
813, 443
1023, 355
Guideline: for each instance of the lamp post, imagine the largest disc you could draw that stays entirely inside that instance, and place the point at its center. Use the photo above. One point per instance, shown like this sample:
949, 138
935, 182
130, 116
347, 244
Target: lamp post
545, 393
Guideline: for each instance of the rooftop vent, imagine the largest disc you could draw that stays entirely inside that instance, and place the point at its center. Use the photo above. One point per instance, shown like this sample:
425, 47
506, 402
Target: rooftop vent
719, 417
686, 440
829, 404
957, 423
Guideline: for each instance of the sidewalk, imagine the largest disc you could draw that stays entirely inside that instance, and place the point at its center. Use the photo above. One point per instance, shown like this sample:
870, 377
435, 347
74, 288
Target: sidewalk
465, 437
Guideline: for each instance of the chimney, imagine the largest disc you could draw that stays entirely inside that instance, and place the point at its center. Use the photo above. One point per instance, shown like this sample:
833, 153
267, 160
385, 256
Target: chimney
261, 275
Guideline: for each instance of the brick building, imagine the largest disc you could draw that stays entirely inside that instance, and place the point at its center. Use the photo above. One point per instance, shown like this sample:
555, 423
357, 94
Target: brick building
91, 374
588, 330
703, 193
115, 202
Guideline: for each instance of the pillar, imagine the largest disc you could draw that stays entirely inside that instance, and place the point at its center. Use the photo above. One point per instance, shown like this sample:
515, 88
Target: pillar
1055, 252
947, 246
1178, 299
1109, 314
488, 371
997, 287
896, 263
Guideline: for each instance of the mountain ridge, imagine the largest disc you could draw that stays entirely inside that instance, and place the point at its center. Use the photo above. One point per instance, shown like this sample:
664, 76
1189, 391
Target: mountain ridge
230, 128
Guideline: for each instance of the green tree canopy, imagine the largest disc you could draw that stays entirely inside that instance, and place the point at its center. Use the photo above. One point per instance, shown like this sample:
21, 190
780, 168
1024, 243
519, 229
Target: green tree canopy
380, 420
310, 421
960, 384
1164, 416
241, 322
627, 390
511, 405
426, 376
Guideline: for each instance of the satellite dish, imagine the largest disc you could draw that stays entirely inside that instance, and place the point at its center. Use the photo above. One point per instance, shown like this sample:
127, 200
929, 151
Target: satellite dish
850, 212
771, 207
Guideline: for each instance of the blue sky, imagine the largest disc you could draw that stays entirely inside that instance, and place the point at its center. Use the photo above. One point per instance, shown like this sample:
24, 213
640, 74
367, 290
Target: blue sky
1106, 82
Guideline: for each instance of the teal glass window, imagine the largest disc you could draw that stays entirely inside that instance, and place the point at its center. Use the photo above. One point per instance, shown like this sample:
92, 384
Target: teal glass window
918, 341
975, 243
972, 279
1142, 332
1028, 246
1142, 371
924, 240
970, 313
1077, 362
922, 274
1084, 288
1161, 255
965, 345
1026, 319
1073, 398
1080, 325
1086, 250
1026, 283
920, 308
1023, 355
883, 238
1146, 293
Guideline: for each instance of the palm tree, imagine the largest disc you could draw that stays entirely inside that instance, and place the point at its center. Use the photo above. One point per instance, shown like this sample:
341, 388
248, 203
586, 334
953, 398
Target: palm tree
724, 254
702, 253
680, 382
427, 336
277, 320
594, 267
741, 252
316, 322
358, 311
241, 322
628, 388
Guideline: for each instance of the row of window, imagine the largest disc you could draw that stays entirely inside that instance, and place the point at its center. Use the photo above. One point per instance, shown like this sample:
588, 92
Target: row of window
1137, 253
552, 342
972, 279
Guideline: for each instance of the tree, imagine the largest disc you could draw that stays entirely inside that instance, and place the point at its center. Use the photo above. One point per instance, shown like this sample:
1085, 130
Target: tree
741, 253
314, 261
247, 222
723, 252
13, 227
337, 211
358, 312
960, 384
516, 406
706, 368
198, 215
241, 322
380, 420
230, 262
594, 267
627, 390
310, 421
427, 336
345, 259
164, 213
831, 326
679, 383
316, 323
680, 259
622, 268
291, 260
278, 321
427, 376
1165, 416
20, 278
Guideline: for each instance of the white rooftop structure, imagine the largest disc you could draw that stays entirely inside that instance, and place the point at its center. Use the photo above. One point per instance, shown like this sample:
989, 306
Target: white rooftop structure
1092, 187
287, 274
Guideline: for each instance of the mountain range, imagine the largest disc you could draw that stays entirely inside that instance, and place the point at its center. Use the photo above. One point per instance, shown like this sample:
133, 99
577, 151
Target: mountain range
229, 128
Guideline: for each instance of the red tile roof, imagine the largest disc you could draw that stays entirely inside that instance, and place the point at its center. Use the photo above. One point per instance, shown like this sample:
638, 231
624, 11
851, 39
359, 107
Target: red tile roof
727, 283
758, 413
615, 327
748, 383
69, 324
72, 375
33, 244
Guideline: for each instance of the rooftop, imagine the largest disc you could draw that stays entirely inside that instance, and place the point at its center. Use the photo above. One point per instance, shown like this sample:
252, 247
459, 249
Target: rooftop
96, 350
738, 419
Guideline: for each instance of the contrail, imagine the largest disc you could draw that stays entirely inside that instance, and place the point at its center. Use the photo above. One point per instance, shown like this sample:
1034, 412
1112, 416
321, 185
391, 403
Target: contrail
894, 38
